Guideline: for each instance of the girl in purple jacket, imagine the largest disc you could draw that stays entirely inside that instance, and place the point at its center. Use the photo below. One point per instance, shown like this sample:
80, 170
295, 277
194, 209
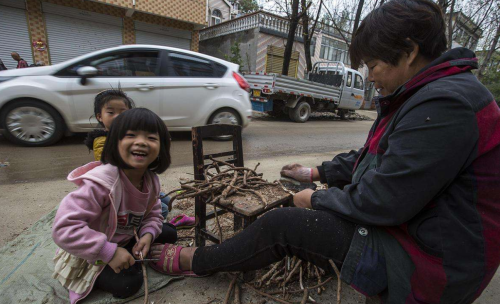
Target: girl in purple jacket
94, 226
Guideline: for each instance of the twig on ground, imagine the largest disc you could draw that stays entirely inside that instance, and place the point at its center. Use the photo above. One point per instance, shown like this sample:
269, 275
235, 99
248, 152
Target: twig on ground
312, 287
306, 295
237, 292
217, 221
144, 273
318, 275
266, 294
230, 289
339, 283
268, 274
292, 272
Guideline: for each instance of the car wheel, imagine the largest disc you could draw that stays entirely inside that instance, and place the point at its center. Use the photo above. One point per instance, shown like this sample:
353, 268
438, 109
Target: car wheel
301, 112
31, 123
227, 117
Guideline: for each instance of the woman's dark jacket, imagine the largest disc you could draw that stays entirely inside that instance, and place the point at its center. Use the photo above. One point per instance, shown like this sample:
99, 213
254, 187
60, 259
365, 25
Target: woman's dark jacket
425, 189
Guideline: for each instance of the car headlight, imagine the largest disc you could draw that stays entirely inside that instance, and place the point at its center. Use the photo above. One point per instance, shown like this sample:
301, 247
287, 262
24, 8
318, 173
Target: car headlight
6, 78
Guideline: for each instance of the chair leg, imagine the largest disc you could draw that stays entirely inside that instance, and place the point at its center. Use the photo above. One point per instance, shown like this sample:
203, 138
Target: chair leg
200, 211
248, 221
238, 223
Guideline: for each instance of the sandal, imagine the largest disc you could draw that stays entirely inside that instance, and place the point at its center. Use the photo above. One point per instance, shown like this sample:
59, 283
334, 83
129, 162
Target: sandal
183, 221
169, 262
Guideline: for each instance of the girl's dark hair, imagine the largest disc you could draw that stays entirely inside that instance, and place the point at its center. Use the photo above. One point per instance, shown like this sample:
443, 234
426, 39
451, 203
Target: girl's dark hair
138, 119
384, 34
105, 96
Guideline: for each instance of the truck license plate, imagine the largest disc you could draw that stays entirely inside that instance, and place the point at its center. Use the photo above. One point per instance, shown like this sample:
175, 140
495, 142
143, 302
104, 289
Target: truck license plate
256, 93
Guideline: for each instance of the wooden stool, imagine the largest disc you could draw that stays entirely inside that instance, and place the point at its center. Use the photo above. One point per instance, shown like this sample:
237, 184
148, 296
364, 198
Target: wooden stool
244, 215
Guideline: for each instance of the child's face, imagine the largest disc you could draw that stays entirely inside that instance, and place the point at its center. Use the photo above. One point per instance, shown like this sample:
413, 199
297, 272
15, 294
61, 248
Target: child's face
139, 149
111, 109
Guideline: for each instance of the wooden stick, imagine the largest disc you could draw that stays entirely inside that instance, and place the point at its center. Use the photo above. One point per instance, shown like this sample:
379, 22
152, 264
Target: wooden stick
217, 221
266, 295
237, 296
230, 289
300, 278
292, 272
306, 295
339, 283
319, 279
144, 273
312, 287
269, 273
275, 275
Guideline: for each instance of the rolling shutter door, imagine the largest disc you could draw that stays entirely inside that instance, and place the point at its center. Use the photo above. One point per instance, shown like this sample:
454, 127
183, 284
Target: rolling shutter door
73, 32
275, 58
147, 33
14, 35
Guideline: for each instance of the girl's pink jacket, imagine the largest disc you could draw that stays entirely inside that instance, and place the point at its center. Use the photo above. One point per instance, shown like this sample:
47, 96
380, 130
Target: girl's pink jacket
84, 226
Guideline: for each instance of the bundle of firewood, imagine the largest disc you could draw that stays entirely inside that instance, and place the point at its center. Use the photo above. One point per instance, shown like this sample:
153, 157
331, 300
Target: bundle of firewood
220, 183
280, 283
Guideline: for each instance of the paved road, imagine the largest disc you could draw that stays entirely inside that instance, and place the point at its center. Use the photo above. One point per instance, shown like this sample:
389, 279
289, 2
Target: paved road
264, 138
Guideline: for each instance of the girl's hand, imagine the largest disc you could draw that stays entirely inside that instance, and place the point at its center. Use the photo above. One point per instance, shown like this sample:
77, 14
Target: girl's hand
303, 199
143, 246
121, 260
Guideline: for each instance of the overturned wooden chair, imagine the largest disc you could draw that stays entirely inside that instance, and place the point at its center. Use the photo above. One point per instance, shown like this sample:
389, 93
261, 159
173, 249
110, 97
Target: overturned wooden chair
243, 216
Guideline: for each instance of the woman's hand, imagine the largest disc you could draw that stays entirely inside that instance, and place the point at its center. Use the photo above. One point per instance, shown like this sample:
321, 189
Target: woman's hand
300, 173
143, 245
121, 260
297, 172
303, 199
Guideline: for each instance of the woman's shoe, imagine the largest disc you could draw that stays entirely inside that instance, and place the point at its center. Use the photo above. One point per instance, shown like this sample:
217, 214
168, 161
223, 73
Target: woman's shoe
183, 221
169, 262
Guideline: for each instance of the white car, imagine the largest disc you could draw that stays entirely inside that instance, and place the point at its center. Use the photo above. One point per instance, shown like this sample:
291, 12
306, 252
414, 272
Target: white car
39, 105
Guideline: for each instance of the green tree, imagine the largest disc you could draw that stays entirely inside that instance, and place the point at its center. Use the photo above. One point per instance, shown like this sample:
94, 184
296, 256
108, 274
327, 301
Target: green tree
248, 6
234, 56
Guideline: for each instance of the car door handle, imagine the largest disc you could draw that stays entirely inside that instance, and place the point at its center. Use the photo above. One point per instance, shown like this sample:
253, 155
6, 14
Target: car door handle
211, 86
144, 87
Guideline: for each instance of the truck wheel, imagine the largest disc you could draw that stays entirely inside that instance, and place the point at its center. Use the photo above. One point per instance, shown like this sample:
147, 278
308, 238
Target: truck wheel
31, 123
301, 112
342, 114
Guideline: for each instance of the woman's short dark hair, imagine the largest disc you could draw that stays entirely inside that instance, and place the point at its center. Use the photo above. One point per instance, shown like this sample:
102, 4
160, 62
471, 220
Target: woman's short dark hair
106, 96
138, 119
384, 33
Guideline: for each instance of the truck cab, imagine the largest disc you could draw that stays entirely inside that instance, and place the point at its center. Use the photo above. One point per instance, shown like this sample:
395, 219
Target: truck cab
336, 74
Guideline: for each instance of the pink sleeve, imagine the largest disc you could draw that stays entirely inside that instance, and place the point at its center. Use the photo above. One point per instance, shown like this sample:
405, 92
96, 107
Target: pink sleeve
153, 222
71, 230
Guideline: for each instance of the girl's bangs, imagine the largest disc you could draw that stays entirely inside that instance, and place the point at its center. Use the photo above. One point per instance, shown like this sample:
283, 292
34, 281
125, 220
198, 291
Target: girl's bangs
140, 121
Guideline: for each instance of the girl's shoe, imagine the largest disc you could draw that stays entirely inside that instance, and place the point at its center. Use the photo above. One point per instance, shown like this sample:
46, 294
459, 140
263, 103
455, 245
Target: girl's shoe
183, 221
169, 262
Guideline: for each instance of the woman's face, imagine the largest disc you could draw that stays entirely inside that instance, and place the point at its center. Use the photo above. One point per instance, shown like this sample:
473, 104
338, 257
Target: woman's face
387, 77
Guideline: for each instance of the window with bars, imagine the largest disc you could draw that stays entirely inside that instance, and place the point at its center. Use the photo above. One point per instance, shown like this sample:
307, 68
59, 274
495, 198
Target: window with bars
334, 50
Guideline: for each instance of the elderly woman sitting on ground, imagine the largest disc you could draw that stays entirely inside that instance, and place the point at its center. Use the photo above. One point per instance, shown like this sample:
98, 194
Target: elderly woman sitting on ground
414, 215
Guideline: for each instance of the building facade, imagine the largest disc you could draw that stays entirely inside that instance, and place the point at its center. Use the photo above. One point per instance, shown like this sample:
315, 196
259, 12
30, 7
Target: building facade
262, 38
52, 31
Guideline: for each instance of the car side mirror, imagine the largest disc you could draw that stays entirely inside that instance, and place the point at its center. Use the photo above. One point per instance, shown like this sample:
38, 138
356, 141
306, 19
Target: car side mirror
86, 72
